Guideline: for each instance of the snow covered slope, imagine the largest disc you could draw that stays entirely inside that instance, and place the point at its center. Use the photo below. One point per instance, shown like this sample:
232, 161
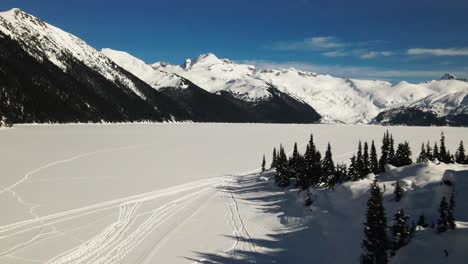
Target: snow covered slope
43, 40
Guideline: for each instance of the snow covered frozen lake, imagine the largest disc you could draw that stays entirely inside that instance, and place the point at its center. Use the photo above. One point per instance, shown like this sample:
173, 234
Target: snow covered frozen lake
150, 193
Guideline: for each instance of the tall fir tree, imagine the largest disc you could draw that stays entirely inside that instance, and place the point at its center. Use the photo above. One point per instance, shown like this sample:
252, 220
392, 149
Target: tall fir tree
312, 166
353, 173
373, 160
375, 243
435, 152
328, 168
400, 230
384, 153
422, 155
460, 156
282, 169
442, 222
391, 150
273, 159
360, 162
451, 212
366, 159
398, 192
263, 163
429, 152
443, 154
294, 164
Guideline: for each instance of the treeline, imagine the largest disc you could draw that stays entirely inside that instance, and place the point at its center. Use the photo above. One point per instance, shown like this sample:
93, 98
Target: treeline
310, 169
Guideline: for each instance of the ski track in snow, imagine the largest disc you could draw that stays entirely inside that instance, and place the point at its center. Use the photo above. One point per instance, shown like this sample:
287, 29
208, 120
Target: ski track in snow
121, 237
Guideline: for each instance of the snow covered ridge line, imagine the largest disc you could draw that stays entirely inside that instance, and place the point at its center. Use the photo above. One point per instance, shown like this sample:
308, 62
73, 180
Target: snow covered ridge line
336, 99
423, 202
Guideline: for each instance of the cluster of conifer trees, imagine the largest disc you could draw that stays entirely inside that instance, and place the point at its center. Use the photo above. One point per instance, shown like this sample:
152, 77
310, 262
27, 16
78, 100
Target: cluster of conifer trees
310, 169
377, 244
441, 153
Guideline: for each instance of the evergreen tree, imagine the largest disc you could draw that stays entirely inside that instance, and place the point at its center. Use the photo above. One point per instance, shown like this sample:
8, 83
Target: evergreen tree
422, 221
403, 155
460, 156
429, 152
282, 173
341, 173
360, 169
422, 155
312, 166
450, 212
374, 162
443, 155
400, 230
442, 222
353, 174
398, 191
263, 163
366, 159
375, 243
328, 168
391, 150
294, 164
384, 156
435, 152
273, 160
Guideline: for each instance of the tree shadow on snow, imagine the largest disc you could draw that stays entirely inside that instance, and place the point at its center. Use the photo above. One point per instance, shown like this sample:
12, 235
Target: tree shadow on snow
292, 245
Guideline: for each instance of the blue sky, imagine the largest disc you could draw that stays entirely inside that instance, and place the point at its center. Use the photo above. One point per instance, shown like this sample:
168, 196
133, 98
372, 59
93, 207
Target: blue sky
395, 40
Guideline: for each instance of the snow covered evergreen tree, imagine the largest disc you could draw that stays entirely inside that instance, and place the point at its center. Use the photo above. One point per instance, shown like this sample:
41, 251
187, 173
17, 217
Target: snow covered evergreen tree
400, 230
442, 222
460, 156
294, 164
398, 192
375, 243
373, 160
451, 212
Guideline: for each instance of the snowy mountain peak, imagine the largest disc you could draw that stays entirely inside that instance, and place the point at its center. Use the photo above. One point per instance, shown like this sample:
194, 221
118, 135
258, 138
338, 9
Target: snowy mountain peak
206, 60
448, 76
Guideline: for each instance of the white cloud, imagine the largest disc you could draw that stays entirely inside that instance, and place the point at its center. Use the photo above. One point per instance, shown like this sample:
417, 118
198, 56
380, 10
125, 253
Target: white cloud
357, 71
336, 53
439, 52
314, 43
330, 46
375, 54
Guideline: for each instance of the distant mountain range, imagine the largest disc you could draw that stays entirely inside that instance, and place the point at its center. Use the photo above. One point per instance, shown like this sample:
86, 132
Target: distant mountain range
48, 75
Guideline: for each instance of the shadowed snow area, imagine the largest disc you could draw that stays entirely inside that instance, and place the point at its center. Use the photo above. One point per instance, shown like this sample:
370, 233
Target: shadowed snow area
183, 193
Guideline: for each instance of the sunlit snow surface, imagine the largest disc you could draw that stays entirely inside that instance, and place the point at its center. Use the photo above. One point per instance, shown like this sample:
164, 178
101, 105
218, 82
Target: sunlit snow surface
166, 193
